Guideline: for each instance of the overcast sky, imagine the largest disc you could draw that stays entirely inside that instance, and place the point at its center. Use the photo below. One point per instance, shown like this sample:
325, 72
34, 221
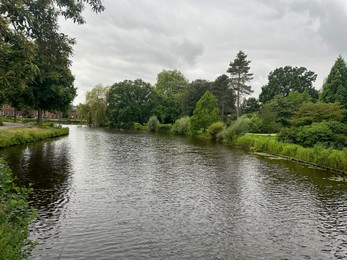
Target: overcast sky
139, 38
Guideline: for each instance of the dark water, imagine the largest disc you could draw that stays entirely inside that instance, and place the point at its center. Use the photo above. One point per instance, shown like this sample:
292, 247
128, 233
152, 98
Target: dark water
119, 195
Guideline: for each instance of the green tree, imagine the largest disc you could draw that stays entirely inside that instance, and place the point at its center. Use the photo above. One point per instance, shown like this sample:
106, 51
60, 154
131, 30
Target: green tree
225, 95
168, 109
239, 76
171, 83
83, 113
21, 23
282, 108
193, 93
250, 106
130, 102
287, 79
52, 89
96, 101
335, 86
205, 113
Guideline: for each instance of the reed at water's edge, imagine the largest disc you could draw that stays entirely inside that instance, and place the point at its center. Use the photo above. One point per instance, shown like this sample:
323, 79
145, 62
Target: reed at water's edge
318, 155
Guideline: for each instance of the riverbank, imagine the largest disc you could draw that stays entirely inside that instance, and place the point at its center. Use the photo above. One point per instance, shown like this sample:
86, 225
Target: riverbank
318, 156
20, 135
15, 216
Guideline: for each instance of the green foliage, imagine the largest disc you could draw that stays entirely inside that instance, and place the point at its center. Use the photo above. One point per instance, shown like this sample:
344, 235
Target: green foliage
153, 124
239, 76
168, 109
182, 126
250, 106
165, 127
83, 113
239, 127
256, 123
328, 134
130, 102
34, 61
335, 87
15, 216
171, 83
205, 113
269, 120
215, 130
225, 95
18, 136
277, 112
285, 80
318, 112
94, 111
318, 154
193, 93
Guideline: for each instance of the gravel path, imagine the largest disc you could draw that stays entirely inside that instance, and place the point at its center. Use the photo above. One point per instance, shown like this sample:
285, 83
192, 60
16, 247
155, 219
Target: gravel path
8, 125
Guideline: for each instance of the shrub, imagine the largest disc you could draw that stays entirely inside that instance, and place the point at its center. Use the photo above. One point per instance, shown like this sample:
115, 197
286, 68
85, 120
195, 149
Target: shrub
165, 127
215, 129
15, 215
181, 126
238, 127
153, 124
329, 134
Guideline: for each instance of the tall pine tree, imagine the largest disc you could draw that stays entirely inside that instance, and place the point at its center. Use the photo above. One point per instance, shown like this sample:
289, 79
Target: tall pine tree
335, 87
239, 76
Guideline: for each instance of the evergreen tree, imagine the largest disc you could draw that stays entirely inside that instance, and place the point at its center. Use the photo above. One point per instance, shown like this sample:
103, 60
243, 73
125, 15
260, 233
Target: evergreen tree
335, 87
239, 76
205, 113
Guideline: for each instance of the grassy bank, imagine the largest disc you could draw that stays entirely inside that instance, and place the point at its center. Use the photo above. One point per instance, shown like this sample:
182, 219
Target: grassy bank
318, 155
15, 215
17, 136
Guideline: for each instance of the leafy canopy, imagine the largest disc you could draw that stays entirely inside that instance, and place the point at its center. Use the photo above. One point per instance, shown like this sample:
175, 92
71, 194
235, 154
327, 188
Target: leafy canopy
287, 79
310, 112
130, 102
171, 83
193, 93
225, 94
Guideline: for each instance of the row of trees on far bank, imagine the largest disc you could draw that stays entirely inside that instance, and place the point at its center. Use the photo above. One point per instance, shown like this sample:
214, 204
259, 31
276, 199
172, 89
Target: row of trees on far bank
288, 104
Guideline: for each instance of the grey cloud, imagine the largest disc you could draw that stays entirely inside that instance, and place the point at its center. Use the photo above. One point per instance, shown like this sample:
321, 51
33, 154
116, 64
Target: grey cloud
137, 39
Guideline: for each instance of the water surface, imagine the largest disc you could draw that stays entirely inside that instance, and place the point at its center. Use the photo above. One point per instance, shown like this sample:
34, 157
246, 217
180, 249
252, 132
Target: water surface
130, 195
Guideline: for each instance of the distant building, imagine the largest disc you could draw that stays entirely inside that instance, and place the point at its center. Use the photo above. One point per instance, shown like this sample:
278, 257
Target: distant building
9, 111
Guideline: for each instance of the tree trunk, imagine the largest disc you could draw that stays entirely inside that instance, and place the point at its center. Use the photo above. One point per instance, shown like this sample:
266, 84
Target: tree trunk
39, 116
15, 115
238, 97
223, 113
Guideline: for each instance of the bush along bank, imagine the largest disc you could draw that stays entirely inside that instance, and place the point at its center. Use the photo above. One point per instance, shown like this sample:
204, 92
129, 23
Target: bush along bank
15, 216
17, 136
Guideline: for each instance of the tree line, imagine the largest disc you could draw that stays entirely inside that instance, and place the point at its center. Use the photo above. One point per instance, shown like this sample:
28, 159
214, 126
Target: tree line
35, 56
288, 104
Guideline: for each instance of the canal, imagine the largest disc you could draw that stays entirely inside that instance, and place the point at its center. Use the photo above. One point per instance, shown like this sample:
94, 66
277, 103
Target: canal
104, 194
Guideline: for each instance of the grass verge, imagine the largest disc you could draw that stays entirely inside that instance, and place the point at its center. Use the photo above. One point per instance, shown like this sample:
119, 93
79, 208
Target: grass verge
17, 136
318, 156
